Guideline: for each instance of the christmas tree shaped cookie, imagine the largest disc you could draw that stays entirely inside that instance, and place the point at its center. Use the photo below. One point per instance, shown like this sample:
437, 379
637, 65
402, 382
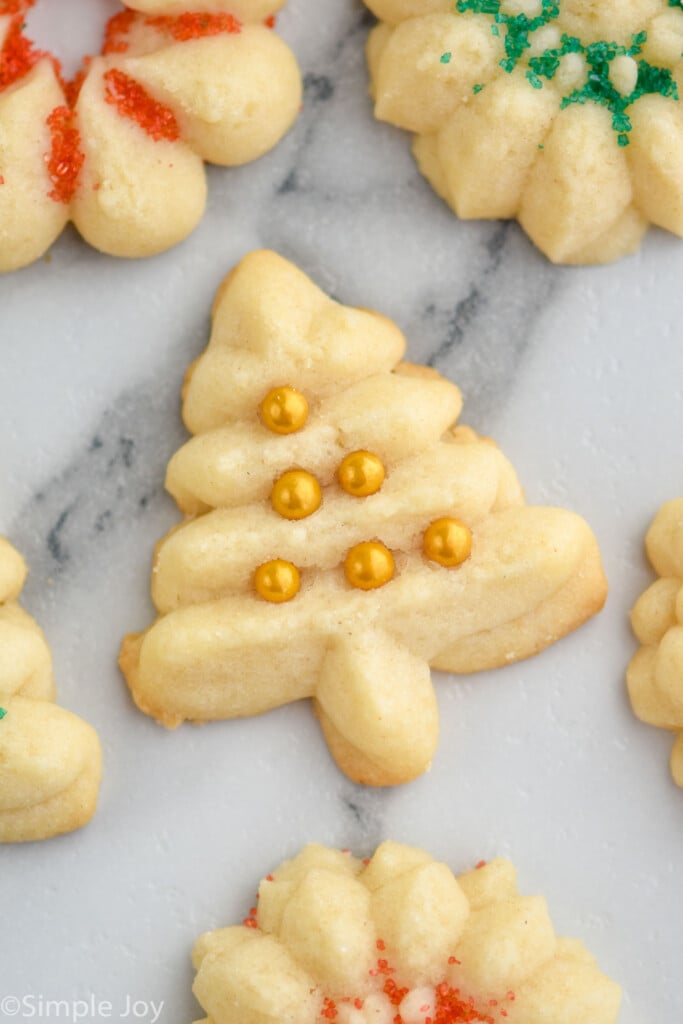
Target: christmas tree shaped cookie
563, 114
397, 939
50, 760
655, 675
340, 536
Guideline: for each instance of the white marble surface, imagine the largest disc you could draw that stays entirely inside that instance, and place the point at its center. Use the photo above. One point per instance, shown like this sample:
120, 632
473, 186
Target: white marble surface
577, 373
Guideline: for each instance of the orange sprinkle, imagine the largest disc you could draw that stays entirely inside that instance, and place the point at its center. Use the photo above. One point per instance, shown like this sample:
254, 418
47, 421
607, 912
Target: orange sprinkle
269, 878
480, 865
18, 55
250, 922
65, 159
2, 179
381, 944
450, 1008
395, 994
15, 6
116, 31
133, 102
329, 1009
270, 21
453, 960
195, 26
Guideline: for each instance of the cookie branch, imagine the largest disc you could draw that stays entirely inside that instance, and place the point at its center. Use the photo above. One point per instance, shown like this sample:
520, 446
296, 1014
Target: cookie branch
50, 760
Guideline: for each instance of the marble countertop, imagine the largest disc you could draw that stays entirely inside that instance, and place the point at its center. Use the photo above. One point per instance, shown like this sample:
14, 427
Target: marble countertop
579, 376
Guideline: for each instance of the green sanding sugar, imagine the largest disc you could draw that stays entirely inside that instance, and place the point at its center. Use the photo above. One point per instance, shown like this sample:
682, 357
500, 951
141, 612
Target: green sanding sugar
2, 713
477, 88
598, 87
445, 58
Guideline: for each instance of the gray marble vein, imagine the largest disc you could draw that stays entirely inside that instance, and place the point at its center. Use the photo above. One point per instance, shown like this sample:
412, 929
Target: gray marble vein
113, 480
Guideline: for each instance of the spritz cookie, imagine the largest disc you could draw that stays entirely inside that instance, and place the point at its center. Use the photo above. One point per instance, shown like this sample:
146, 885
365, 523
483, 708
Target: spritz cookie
120, 150
342, 535
50, 760
655, 675
564, 114
398, 939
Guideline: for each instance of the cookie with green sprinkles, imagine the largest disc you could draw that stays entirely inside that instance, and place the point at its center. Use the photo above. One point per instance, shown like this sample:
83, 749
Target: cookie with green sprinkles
50, 760
563, 114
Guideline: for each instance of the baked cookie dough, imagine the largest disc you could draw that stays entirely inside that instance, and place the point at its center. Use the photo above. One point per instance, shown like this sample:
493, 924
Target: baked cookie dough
655, 675
563, 114
50, 760
341, 535
120, 150
397, 939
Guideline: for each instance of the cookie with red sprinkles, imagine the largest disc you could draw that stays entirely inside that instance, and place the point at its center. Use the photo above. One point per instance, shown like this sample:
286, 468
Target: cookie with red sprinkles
119, 150
397, 939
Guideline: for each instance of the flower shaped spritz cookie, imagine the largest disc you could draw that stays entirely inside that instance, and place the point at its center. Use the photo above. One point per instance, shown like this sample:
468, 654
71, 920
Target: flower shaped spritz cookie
340, 537
397, 939
565, 114
655, 675
120, 150
50, 760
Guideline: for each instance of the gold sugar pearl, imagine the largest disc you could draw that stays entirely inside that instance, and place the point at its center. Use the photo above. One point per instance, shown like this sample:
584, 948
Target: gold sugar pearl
361, 473
296, 494
369, 565
284, 410
448, 542
277, 581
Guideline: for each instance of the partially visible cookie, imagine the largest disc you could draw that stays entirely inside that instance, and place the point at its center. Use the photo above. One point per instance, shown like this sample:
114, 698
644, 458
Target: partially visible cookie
397, 939
655, 674
120, 149
341, 536
50, 760
563, 115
